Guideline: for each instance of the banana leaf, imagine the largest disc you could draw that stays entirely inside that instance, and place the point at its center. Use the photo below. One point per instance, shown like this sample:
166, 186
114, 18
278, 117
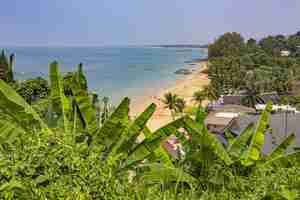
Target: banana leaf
159, 153
161, 174
9, 132
85, 110
13, 105
137, 127
253, 153
282, 159
60, 104
199, 133
282, 147
114, 126
200, 115
240, 143
129, 135
153, 142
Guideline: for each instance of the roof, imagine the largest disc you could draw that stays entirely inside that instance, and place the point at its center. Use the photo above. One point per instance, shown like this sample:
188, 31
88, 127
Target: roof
213, 118
277, 124
227, 114
272, 96
234, 109
277, 107
238, 99
232, 99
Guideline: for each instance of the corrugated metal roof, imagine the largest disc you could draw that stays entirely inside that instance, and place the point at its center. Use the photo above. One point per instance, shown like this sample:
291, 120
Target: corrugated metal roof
277, 124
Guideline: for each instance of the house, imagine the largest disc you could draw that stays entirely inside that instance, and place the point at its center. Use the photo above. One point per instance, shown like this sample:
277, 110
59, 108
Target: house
173, 146
277, 108
221, 117
281, 125
285, 53
238, 99
218, 122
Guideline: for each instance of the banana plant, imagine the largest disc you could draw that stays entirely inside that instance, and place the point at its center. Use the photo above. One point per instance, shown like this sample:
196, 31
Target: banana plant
15, 109
253, 153
60, 105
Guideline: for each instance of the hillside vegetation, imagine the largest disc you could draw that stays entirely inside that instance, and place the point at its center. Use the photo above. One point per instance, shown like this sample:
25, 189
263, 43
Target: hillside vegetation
256, 67
63, 147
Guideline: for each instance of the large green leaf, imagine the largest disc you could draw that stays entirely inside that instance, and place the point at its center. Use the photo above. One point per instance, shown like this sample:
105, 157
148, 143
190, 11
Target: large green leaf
282, 159
127, 140
254, 151
60, 104
85, 109
114, 126
13, 105
200, 115
161, 174
9, 132
240, 143
159, 153
136, 128
153, 142
199, 134
282, 147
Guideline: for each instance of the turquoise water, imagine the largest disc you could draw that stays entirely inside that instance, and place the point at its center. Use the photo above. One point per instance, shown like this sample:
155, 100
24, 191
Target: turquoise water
111, 71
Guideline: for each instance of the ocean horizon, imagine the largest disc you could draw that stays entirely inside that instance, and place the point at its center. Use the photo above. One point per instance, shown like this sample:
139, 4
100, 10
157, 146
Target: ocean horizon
113, 71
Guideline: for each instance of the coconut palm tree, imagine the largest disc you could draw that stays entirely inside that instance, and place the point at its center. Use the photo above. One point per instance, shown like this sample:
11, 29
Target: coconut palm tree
199, 96
180, 105
171, 102
210, 93
253, 88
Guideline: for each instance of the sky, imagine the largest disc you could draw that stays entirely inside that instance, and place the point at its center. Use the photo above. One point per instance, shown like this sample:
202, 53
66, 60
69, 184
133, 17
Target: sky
141, 22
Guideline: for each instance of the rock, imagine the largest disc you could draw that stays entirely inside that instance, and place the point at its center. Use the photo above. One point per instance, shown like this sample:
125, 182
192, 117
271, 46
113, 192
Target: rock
183, 71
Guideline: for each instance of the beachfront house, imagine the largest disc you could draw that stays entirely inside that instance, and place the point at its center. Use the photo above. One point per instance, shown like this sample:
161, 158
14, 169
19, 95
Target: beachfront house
238, 99
173, 146
277, 108
223, 116
281, 125
285, 53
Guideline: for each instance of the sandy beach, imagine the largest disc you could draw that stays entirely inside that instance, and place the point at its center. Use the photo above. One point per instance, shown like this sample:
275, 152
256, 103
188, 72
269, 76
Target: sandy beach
184, 88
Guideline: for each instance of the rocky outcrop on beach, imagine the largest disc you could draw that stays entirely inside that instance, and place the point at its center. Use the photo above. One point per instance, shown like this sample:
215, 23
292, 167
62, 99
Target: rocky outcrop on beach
184, 72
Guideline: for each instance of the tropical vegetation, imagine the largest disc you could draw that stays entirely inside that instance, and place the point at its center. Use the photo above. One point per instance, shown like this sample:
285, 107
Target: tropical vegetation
255, 67
64, 151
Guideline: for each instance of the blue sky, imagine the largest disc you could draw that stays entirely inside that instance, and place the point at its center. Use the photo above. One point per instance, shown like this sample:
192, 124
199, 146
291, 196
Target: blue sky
139, 22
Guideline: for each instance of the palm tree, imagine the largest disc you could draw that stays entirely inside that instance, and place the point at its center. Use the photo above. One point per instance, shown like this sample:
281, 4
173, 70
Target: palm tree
210, 92
6, 67
171, 102
253, 88
180, 105
199, 96
105, 111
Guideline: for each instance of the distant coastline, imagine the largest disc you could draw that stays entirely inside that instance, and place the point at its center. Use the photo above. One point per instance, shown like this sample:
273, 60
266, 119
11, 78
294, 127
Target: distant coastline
183, 46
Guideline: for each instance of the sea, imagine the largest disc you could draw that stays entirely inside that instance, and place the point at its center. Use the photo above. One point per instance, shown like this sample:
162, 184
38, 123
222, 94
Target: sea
115, 72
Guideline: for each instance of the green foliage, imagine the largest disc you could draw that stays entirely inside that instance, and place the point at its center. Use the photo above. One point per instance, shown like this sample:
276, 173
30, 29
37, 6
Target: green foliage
253, 153
15, 108
226, 45
107, 161
33, 90
256, 68
174, 103
6, 67
59, 103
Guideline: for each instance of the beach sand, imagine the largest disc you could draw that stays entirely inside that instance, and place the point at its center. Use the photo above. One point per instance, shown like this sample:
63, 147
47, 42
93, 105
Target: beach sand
184, 88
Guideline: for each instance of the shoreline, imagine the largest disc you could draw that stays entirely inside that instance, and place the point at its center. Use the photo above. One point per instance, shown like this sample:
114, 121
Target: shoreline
183, 87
